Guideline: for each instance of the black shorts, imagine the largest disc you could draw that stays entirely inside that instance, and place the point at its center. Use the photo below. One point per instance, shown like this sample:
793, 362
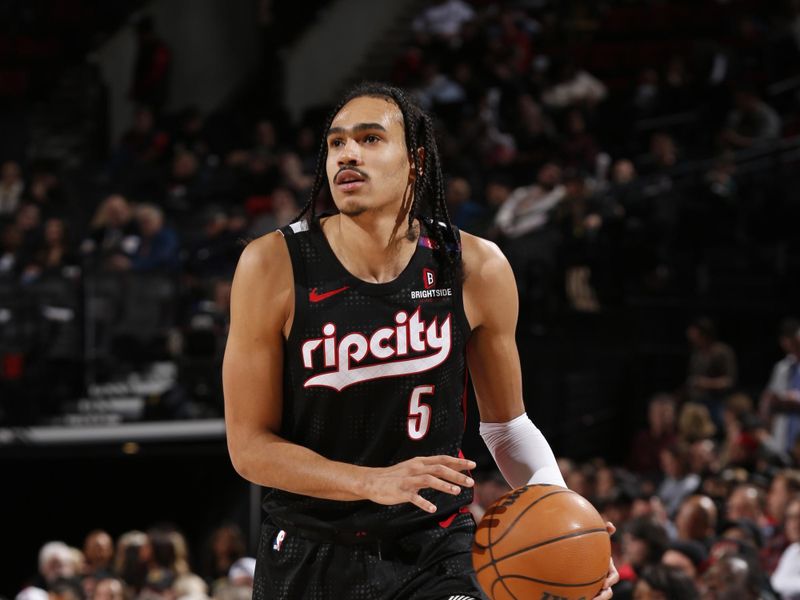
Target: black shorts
426, 564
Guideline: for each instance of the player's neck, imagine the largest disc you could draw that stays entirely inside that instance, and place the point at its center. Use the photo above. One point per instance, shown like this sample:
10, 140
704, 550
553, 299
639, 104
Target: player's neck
373, 247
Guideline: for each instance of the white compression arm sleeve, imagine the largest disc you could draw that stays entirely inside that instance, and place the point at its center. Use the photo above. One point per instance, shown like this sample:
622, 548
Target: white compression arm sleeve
521, 452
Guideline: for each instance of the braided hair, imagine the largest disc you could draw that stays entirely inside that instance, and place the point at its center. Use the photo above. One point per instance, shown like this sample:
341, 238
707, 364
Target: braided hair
428, 202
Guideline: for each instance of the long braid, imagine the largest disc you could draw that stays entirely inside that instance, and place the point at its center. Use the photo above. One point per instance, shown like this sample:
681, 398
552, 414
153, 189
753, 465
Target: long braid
429, 189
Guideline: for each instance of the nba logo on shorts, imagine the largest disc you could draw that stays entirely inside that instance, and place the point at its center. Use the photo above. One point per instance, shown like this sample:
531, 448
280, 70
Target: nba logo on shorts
276, 545
428, 278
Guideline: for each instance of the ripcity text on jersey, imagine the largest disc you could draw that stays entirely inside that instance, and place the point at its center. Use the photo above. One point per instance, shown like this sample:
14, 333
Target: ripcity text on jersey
374, 374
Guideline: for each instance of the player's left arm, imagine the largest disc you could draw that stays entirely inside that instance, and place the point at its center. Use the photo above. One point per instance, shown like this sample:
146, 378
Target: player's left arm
491, 305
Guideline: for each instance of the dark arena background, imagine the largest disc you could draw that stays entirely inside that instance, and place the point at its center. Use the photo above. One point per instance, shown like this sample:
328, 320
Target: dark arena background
636, 160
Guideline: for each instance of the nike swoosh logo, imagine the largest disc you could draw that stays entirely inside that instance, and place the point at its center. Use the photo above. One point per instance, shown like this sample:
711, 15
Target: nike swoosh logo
313, 296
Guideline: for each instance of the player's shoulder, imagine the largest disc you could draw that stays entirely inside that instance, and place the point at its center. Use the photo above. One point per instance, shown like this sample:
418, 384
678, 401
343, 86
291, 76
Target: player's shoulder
482, 258
265, 258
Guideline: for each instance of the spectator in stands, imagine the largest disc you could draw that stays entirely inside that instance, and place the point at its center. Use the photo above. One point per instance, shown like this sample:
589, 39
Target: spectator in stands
109, 588
443, 19
189, 587
582, 480
644, 543
573, 87
436, 91
697, 520
142, 145
53, 254
45, 191
65, 589
528, 208
165, 556
215, 253
660, 582
743, 441
113, 232
279, 209
56, 561
29, 221
243, 572
786, 578
225, 546
711, 374
10, 252
647, 95
129, 563
785, 486
661, 432
730, 578
464, 211
678, 482
783, 392
751, 122
662, 156
746, 501
695, 424
189, 185
191, 135
11, 188
151, 70
159, 247
688, 556
98, 548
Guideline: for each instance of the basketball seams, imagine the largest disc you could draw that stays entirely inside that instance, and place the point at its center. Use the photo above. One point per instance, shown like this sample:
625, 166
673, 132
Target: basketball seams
492, 560
511, 525
493, 563
540, 544
552, 583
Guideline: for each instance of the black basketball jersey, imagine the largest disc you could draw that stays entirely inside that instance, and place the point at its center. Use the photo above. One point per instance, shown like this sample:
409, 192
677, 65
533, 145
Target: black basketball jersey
374, 374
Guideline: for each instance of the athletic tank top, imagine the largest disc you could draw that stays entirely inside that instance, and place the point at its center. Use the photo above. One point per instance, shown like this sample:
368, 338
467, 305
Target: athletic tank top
374, 374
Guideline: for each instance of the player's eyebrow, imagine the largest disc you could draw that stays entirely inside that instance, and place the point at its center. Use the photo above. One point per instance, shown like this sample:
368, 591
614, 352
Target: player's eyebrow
356, 128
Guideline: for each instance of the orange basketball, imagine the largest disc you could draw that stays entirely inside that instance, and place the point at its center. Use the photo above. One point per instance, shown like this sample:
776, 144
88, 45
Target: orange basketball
541, 542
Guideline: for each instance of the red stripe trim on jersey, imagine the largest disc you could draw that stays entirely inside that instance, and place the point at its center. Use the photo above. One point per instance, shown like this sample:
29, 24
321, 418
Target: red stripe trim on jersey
464, 395
444, 524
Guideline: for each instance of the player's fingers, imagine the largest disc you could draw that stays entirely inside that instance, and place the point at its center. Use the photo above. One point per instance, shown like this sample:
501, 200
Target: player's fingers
458, 464
611, 528
419, 501
449, 474
434, 483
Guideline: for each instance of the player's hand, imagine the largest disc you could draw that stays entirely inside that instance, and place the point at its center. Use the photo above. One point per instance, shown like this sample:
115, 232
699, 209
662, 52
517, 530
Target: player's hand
613, 576
402, 482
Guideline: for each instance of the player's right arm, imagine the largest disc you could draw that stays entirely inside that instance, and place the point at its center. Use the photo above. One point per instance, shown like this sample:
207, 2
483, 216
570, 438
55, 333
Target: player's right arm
262, 301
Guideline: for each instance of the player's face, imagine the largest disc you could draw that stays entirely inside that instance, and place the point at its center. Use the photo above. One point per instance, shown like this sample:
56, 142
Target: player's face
368, 165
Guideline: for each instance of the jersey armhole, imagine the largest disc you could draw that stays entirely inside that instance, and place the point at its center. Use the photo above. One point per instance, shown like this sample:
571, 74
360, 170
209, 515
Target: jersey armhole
458, 284
299, 280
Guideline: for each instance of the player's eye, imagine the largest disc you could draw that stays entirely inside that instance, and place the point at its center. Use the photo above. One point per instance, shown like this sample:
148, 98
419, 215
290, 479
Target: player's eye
336, 143
371, 139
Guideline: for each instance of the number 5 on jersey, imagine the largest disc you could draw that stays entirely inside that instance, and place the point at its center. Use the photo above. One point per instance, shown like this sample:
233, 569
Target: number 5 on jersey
419, 413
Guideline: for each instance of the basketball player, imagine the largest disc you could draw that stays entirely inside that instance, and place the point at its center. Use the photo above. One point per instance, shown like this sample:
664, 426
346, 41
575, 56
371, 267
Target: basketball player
345, 372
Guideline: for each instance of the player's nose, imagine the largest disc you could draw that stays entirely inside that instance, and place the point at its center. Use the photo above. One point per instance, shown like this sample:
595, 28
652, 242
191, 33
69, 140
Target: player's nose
351, 153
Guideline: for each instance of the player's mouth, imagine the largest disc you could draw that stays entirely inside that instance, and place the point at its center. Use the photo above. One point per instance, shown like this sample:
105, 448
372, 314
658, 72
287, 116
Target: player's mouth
349, 180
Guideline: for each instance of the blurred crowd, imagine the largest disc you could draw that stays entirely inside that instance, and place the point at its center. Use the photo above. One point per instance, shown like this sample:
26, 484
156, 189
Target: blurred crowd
148, 565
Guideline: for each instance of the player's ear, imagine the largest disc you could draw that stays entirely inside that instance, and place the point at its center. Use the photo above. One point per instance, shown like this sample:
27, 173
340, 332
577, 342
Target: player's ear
419, 170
